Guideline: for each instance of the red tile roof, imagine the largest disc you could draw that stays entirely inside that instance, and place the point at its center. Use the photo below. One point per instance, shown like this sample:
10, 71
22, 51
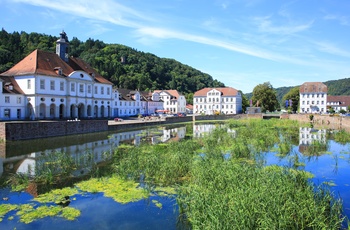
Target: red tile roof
225, 91
46, 63
344, 100
313, 87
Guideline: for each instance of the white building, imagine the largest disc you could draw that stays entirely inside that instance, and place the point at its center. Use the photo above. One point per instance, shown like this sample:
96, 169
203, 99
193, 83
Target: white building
338, 103
46, 85
152, 102
313, 97
225, 100
173, 101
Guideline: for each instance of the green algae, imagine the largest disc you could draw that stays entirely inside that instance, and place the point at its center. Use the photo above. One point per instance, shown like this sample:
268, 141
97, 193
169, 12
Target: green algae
157, 204
6, 208
57, 195
122, 191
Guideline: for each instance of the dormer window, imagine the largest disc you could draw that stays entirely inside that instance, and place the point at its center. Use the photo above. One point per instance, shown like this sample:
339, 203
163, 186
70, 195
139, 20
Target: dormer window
58, 70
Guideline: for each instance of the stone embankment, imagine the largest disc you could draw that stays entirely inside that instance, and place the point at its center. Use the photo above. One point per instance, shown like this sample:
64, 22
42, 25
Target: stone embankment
24, 130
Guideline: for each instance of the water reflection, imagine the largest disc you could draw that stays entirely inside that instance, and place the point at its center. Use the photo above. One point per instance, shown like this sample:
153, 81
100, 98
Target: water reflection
86, 152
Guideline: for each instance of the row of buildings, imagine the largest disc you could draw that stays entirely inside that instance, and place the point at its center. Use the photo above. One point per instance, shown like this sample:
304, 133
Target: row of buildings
48, 85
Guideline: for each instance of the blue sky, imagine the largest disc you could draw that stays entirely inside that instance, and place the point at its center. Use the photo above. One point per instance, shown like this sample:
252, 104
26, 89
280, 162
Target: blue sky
241, 43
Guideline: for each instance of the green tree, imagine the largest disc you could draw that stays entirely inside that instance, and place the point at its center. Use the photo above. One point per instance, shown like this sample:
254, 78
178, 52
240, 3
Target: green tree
293, 95
245, 101
265, 96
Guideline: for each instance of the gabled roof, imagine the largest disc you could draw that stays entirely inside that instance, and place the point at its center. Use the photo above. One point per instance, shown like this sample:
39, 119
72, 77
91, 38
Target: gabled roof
313, 87
46, 63
225, 91
126, 95
171, 92
344, 100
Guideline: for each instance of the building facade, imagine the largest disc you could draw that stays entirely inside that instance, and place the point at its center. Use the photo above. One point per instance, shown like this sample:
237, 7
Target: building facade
173, 101
210, 101
48, 85
313, 97
338, 103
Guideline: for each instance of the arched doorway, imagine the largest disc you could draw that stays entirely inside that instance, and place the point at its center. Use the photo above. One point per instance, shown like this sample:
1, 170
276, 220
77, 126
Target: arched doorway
102, 111
30, 112
52, 111
96, 111
108, 111
73, 111
61, 111
81, 110
89, 111
42, 109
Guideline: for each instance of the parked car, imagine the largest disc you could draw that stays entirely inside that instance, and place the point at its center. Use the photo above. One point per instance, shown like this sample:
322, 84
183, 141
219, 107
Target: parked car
118, 119
181, 114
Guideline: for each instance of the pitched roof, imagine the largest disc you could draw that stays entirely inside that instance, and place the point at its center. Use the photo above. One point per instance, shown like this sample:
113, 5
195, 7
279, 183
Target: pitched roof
7, 81
225, 91
344, 100
313, 87
46, 63
172, 92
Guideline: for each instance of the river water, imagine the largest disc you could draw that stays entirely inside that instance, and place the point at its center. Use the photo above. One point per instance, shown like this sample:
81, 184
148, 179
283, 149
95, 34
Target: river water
100, 212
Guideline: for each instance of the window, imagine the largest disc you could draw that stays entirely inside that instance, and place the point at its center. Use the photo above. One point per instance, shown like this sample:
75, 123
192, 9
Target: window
109, 92
62, 86
81, 88
102, 90
19, 100
72, 87
96, 90
52, 85
29, 84
42, 84
89, 88
7, 113
7, 99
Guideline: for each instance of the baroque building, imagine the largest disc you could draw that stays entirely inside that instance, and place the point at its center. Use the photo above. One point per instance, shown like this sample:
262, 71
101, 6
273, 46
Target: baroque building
313, 97
48, 85
226, 100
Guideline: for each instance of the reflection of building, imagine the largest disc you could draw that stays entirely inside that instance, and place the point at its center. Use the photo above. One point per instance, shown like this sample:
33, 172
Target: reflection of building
85, 155
174, 134
313, 97
204, 129
309, 135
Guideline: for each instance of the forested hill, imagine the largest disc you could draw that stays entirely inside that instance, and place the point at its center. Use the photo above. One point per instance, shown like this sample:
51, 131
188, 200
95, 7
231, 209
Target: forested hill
124, 66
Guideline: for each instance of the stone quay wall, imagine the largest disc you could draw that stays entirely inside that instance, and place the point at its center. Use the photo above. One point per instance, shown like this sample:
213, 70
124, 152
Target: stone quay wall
10, 131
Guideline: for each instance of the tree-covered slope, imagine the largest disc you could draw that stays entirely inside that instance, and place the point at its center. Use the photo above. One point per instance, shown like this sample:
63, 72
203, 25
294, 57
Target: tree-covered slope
124, 66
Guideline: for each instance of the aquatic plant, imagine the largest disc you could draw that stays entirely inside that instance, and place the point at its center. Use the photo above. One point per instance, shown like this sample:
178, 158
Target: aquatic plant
232, 195
342, 137
5, 208
122, 191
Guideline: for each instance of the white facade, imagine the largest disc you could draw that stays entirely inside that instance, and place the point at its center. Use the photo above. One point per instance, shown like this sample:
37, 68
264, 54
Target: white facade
173, 101
313, 97
12, 106
217, 101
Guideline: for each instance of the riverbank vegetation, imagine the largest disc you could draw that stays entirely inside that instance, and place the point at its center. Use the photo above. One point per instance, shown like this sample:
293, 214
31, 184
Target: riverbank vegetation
221, 180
